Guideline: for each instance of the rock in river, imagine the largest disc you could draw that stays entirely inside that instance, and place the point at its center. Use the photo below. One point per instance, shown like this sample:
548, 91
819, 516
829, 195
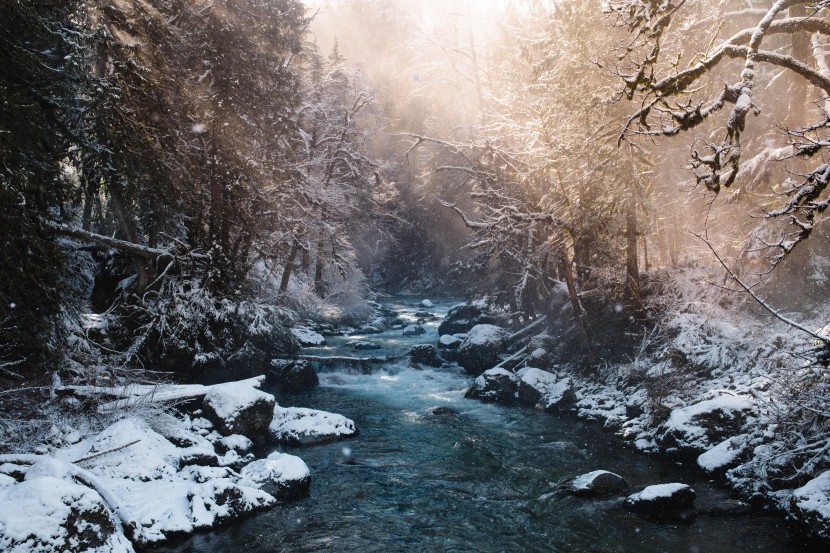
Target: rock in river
301, 426
284, 476
597, 483
662, 501
494, 385
481, 348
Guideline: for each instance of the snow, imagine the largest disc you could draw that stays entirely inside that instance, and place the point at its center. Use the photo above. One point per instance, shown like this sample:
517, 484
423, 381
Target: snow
682, 419
547, 384
42, 518
308, 337
814, 497
723, 454
657, 491
277, 467
426, 303
236, 442
485, 334
305, 426
216, 501
229, 400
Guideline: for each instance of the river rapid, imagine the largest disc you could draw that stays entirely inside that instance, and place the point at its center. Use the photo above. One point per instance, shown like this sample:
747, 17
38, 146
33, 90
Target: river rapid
480, 480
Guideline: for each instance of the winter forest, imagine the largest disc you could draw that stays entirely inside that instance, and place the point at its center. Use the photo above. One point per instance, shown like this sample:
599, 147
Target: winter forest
414, 275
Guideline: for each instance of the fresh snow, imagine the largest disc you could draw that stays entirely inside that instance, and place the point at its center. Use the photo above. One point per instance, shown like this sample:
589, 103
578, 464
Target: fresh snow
426, 303
38, 516
584, 481
723, 454
278, 468
485, 334
306, 426
228, 400
657, 491
814, 497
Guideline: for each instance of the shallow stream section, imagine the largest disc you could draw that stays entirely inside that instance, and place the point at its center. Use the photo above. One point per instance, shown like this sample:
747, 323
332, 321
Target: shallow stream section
479, 480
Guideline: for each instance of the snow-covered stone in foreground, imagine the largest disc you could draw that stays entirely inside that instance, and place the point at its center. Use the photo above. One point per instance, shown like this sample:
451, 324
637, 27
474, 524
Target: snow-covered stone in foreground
283, 476
239, 408
544, 390
48, 514
481, 348
301, 426
696, 427
597, 483
308, 337
235, 442
724, 455
494, 385
810, 504
662, 500
218, 501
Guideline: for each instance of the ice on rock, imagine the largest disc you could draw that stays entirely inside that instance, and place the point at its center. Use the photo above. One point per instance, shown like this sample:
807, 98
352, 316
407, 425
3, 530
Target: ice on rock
301, 426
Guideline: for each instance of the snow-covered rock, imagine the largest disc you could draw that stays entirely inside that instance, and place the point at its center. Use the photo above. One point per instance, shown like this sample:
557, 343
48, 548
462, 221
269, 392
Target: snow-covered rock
723, 456
46, 514
544, 389
293, 375
597, 483
301, 426
414, 330
283, 476
463, 317
662, 500
481, 348
234, 442
425, 303
538, 358
238, 408
810, 505
425, 354
494, 385
219, 501
449, 341
308, 337
695, 428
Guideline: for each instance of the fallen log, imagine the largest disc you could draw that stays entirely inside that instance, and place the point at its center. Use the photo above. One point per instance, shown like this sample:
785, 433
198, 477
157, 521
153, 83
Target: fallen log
120, 397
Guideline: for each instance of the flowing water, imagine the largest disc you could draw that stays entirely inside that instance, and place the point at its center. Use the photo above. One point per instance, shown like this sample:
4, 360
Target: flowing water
481, 480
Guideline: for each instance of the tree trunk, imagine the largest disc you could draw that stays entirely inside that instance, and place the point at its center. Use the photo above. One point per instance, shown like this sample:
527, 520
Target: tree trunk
585, 342
128, 228
318, 268
632, 270
289, 266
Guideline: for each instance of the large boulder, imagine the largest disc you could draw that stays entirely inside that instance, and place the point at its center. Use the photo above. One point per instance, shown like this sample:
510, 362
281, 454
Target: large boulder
308, 337
597, 483
284, 476
239, 408
696, 428
463, 317
300, 426
425, 354
544, 390
481, 348
494, 385
293, 375
49, 514
663, 501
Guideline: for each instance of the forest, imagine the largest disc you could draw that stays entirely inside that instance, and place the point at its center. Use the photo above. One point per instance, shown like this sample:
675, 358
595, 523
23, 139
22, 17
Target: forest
213, 209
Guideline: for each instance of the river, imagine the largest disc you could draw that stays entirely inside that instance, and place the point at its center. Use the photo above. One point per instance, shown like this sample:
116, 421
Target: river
481, 480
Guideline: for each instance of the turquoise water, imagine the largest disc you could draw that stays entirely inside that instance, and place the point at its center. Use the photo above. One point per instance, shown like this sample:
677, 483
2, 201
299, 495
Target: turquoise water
481, 480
